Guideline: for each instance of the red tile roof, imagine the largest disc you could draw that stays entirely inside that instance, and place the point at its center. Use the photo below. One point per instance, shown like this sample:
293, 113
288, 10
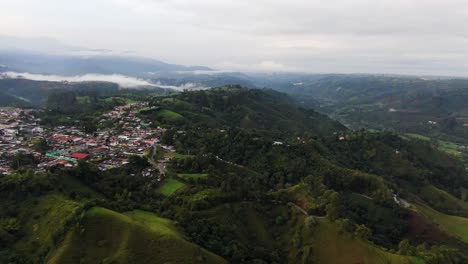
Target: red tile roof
78, 155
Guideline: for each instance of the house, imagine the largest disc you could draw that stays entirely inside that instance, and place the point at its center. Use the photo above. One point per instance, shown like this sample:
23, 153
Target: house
78, 155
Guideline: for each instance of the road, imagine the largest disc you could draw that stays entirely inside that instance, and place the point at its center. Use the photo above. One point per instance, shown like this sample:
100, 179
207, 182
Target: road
161, 166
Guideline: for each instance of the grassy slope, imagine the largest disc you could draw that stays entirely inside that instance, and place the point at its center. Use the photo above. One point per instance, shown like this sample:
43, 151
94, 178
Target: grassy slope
453, 225
170, 186
333, 247
324, 243
169, 115
320, 243
106, 236
42, 219
68, 182
440, 198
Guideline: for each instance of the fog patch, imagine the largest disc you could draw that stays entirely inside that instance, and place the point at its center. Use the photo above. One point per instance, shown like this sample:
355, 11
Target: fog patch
122, 80
186, 86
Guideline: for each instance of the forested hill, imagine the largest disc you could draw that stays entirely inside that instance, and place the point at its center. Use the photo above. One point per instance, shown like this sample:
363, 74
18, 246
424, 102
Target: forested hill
35, 93
407, 104
234, 106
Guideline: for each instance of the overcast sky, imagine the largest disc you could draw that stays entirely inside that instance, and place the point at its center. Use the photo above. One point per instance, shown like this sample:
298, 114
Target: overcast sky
386, 36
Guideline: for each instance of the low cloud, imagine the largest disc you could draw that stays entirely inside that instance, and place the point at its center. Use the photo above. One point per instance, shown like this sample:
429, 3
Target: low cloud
122, 80
185, 86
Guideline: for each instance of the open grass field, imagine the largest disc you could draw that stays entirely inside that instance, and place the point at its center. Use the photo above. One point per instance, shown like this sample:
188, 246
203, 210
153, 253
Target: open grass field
193, 175
445, 146
83, 99
418, 136
453, 225
105, 236
170, 186
169, 115
153, 222
450, 148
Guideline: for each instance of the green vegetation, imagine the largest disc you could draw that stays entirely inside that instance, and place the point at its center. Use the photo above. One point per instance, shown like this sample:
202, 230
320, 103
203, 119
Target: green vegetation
333, 246
234, 106
255, 179
120, 99
193, 175
170, 186
169, 115
177, 155
418, 136
441, 200
454, 225
450, 147
44, 222
156, 114
134, 237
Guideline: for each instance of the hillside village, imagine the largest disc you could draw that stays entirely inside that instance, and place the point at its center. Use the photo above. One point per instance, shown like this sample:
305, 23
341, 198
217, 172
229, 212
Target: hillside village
21, 131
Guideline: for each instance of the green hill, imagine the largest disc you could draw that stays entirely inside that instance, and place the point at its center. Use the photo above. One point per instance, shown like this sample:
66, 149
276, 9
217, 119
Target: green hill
335, 247
105, 236
455, 226
43, 222
234, 106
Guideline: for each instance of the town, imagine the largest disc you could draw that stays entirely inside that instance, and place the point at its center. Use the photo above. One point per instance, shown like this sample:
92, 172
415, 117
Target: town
22, 135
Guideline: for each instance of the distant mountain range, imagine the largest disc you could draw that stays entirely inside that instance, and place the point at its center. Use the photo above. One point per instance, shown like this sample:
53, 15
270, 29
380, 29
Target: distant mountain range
32, 62
49, 56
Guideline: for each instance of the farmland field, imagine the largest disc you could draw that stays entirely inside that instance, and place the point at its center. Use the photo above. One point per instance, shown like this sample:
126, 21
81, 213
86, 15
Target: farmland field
170, 186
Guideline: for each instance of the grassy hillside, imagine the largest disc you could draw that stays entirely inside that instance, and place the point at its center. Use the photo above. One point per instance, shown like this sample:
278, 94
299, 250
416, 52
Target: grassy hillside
455, 226
334, 247
441, 200
105, 236
43, 222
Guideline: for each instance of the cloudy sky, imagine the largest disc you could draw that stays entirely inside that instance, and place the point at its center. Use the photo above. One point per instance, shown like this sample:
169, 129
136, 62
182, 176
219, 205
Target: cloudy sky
384, 36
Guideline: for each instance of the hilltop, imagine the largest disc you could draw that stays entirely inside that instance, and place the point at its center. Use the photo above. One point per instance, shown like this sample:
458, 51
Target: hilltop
233, 106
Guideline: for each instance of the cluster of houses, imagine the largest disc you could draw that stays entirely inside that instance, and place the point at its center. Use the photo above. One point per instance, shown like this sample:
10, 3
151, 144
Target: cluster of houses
109, 147
17, 126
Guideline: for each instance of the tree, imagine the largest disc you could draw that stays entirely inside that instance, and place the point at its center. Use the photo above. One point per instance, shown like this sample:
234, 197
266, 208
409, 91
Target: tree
22, 159
168, 137
137, 163
89, 126
362, 232
345, 225
40, 145
405, 248
334, 206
